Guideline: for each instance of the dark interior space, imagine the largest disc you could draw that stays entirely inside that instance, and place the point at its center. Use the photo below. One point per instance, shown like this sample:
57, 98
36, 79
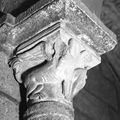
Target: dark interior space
23, 7
22, 105
16, 7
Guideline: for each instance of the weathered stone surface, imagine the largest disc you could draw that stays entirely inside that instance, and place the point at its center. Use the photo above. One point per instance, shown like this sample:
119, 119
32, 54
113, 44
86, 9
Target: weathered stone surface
7, 81
84, 22
27, 30
8, 109
61, 76
73, 39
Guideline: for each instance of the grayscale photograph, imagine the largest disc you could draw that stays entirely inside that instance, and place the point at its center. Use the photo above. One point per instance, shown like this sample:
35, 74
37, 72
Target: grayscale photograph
59, 60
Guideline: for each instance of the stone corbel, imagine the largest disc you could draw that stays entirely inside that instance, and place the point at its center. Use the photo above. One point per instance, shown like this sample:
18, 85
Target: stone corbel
51, 52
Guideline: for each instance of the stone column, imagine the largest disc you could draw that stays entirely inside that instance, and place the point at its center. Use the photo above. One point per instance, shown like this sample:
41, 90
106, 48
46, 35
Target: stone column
51, 52
58, 72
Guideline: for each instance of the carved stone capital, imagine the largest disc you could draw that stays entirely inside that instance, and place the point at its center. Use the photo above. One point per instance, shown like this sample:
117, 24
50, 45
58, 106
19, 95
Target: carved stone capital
60, 63
55, 70
52, 50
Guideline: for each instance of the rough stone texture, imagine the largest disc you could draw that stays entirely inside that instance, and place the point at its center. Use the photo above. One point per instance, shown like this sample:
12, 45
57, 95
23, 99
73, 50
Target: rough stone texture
8, 85
103, 84
9, 92
7, 81
8, 109
101, 39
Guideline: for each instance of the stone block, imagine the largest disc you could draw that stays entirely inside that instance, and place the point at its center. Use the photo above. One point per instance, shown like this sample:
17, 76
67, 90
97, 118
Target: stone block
8, 84
8, 109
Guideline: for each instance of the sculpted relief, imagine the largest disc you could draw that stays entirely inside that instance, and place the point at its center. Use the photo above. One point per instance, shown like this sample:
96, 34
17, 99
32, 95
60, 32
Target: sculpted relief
51, 52
55, 70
